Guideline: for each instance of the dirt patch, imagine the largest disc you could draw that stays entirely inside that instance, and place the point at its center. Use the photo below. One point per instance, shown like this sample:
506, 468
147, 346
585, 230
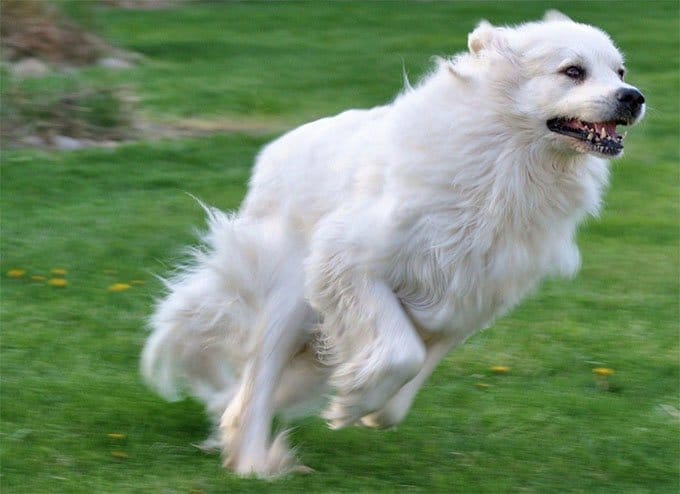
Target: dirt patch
36, 38
64, 119
36, 29
197, 127
102, 118
143, 4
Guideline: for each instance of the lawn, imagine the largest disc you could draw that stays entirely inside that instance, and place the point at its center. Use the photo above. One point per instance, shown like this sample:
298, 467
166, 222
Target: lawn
75, 415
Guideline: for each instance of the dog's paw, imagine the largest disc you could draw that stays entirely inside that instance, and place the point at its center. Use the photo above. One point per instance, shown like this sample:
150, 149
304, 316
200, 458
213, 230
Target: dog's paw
367, 396
382, 419
342, 412
276, 461
346, 410
391, 415
374, 421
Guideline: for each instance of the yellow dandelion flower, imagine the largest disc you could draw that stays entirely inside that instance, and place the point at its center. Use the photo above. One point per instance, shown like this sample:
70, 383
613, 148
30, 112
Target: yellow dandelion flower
119, 454
58, 282
16, 273
499, 369
116, 436
38, 278
603, 371
119, 287
58, 272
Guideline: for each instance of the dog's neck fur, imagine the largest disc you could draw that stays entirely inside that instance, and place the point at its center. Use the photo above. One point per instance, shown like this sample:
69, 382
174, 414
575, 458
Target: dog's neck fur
562, 186
499, 203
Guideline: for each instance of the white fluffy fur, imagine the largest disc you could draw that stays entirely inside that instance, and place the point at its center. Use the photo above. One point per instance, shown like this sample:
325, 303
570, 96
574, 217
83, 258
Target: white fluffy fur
373, 242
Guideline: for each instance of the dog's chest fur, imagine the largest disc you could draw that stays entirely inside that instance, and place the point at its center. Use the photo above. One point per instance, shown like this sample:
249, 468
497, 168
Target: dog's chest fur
466, 263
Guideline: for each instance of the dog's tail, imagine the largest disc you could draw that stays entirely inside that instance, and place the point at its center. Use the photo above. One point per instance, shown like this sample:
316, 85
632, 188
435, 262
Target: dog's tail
203, 329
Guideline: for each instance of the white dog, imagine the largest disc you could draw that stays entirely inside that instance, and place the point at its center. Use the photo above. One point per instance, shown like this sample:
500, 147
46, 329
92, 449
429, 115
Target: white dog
373, 242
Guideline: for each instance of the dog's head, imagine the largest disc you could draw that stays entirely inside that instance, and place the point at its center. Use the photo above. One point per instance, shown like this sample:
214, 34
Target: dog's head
562, 82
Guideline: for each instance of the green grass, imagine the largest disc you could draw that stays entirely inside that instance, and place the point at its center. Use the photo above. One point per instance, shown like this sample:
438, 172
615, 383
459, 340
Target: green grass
69, 355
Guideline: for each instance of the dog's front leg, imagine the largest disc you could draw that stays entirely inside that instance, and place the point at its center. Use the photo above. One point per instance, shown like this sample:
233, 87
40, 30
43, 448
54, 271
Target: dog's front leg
377, 350
397, 408
366, 337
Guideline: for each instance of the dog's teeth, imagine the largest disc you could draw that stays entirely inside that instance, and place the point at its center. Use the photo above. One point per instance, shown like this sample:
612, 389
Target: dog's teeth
590, 136
603, 133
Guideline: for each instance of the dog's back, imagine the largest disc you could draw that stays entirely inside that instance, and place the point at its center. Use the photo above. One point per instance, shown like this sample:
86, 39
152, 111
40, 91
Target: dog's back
313, 169
372, 242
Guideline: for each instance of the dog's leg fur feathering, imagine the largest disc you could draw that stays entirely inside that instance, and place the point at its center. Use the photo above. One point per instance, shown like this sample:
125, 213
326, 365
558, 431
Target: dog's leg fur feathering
372, 242
372, 343
235, 321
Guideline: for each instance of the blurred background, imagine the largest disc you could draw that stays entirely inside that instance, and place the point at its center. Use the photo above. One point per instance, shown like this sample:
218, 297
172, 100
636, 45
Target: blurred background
112, 110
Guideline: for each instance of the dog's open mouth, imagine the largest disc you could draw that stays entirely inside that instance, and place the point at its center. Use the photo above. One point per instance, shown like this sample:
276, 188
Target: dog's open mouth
598, 137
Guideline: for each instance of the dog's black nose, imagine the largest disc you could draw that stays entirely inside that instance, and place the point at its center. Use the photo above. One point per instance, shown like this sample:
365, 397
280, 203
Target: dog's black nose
630, 99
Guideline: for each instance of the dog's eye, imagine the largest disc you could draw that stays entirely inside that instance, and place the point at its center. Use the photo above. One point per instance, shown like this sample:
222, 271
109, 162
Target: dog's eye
622, 73
575, 72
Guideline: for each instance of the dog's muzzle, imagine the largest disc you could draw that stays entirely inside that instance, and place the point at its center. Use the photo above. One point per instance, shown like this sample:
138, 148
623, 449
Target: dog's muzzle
629, 104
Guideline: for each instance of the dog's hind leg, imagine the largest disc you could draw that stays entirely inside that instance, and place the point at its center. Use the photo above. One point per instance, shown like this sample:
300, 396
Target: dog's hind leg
247, 421
246, 277
303, 386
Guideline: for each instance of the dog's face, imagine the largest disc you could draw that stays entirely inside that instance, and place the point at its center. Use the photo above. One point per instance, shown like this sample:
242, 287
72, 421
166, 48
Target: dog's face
569, 89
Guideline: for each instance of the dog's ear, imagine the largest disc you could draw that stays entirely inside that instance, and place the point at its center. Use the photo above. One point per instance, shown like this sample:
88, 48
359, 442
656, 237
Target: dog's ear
486, 37
555, 15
